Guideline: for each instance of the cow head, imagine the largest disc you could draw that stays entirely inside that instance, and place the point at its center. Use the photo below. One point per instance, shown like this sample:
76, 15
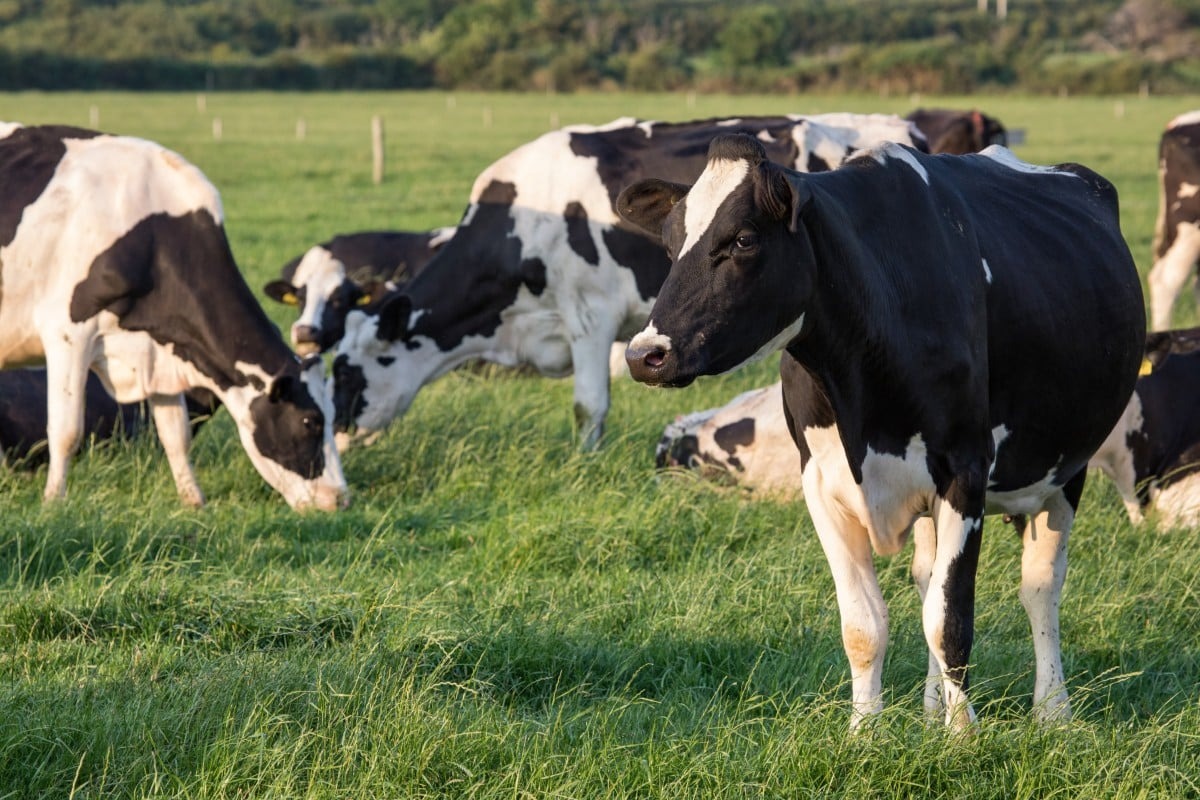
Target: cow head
324, 294
738, 284
284, 422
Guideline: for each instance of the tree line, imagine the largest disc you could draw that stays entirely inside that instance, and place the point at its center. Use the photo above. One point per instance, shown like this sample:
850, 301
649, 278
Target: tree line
561, 45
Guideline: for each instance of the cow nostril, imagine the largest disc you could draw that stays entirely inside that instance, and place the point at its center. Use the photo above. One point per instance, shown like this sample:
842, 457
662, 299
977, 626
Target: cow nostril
655, 358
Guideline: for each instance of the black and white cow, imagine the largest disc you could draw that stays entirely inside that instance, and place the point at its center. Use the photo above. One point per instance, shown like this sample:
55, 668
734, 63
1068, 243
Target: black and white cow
114, 258
1177, 230
1153, 453
960, 334
542, 272
957, 132
23, 404
349, 270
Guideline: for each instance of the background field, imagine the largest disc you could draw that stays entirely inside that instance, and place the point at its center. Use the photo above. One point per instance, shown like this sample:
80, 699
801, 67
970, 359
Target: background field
500, 615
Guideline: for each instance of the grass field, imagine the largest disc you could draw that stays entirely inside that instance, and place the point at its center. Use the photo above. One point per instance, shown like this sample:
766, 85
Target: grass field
499, 615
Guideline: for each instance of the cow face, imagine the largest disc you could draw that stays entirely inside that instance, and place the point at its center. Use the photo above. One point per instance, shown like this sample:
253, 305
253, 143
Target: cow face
285, 425
324, 295
738, 284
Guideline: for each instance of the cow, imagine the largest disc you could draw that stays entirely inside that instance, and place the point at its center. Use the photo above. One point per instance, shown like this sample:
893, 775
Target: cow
1153, 452
944, 321
349, 270
1177, 229
113, 257
23, 415
957, 132
542, 272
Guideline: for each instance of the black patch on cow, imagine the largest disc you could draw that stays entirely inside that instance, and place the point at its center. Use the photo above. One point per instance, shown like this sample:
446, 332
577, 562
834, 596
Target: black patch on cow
805, 403
289, 428
533, 275
339, 303
175, 279
28, 159
735, 434
958, 631
817, 164
386, 361
579, 234
349, 385
1166, 448
646, 258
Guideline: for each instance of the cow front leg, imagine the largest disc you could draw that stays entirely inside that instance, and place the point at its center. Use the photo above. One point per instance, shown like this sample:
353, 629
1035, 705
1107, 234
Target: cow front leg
590, 357
66, 386
175, 432
861, 605
924, 551
1043, 573
948, 611
1171, 272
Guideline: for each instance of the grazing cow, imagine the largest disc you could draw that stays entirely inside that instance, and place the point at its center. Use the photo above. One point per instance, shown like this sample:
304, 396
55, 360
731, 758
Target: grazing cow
957, 132
943, 319
1153, 453
23, 414
542, 272
349, 270
1177, 230
745, 441
114, 257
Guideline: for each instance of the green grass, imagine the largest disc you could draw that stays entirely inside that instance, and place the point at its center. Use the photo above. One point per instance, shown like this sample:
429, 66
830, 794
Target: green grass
501, 616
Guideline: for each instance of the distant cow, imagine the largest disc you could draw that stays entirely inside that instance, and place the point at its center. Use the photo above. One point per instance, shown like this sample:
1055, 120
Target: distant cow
114, 258
1177, 231
960, 334
349, 270
542, 272
957, 132
1153, 453
23, 414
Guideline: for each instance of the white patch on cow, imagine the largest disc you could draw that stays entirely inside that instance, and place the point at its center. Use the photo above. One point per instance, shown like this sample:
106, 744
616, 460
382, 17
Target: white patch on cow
1172, 271
729, 123
896, 490
1115, 459
777, 343
647, 128
987, 272
1187, 190
320, 274
1178, 505
1187, 118
651, 338
719, 180
470, 213
765, 136
441, 236
7, 128
888, 150
1027, 500
1002, 155
832, 136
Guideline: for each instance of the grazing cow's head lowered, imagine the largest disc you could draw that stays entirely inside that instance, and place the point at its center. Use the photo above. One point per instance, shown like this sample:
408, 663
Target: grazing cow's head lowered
724, 238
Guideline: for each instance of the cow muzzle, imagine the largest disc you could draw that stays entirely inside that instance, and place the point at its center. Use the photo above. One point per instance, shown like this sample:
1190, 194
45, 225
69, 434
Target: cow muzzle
654, 365
306, 338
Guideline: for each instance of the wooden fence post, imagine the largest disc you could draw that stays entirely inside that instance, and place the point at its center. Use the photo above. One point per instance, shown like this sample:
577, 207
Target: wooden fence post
377, 149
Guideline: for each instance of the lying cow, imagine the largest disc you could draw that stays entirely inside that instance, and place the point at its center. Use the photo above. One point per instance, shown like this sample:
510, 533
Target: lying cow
943, 321
23, 415
349, 270
114, 258
542, 272
957, 132
1177, 230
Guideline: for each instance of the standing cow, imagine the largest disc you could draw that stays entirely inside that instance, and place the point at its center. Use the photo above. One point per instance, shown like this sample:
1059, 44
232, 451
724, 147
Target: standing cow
542, 272
349, 270
114, 258
1177, 230
957, 132
944, 319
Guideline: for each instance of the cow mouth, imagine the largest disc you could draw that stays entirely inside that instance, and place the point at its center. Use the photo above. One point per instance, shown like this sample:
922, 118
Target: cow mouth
305, 349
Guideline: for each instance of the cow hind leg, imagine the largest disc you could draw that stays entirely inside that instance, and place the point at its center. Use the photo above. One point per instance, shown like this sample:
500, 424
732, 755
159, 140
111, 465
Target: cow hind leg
175, 432
1043, 572
924, 550
860, 602
66, 385
1170, 272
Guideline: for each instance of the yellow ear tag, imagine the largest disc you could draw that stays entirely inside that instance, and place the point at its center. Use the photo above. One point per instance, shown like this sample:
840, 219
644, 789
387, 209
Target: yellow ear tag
364, 300
291, 299
1146, 367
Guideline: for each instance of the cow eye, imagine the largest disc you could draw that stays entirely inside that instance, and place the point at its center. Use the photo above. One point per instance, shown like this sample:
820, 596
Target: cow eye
746, 240
312, 423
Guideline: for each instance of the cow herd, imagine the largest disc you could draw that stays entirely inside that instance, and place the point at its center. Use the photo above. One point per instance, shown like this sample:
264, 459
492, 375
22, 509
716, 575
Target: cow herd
961, 333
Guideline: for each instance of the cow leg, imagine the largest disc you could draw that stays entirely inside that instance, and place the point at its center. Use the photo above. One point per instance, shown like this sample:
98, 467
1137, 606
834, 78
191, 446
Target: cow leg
175, 433
590, 357
924, 550
1043, 572
66, 387
1170, 272
860, 602
948, 611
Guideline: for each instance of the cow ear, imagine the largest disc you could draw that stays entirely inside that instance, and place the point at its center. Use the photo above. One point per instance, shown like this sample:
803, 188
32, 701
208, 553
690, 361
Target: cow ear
799, 198
393, 317
280, 388
283, 292
647, 203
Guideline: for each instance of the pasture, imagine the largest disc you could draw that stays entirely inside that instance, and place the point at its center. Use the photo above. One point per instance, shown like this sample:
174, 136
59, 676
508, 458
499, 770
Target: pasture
501, 615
